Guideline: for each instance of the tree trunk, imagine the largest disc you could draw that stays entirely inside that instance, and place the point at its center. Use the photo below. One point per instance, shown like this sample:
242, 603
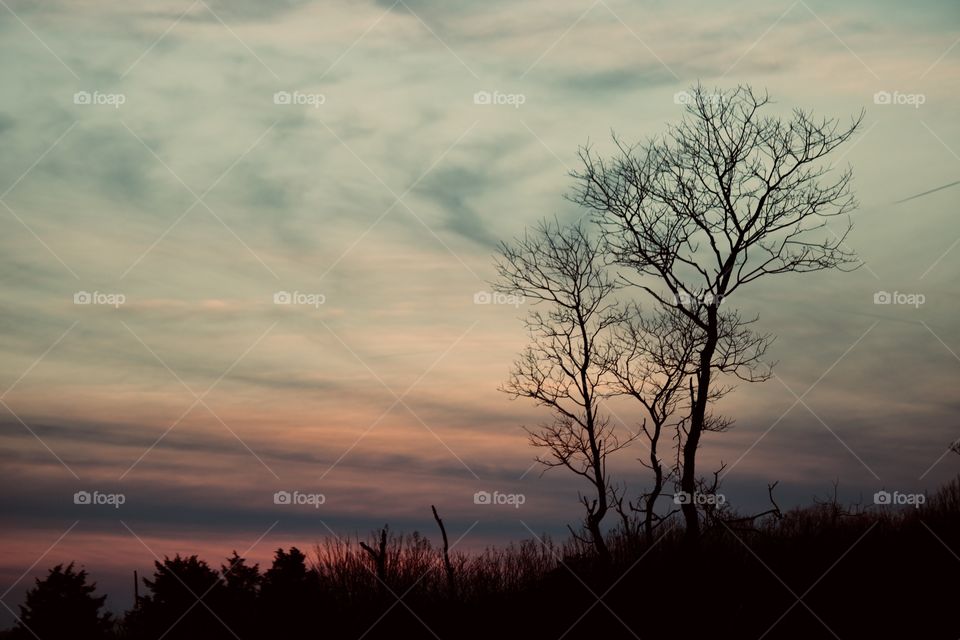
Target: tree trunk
595, 516
655, 493
688, 479
379, 557
596, 534
447, 565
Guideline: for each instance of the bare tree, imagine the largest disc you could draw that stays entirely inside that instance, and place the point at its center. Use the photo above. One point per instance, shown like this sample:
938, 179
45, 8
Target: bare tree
726, 197
563, 269
379, 557
650, 358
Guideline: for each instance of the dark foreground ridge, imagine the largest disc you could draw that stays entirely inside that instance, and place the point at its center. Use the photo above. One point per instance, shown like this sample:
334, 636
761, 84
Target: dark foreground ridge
825, 571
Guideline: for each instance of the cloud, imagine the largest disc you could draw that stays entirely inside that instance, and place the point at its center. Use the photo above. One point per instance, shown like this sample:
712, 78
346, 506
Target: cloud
451, 189
306, 206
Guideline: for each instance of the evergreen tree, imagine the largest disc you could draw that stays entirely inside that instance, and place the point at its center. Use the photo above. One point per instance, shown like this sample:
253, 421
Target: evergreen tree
62, 605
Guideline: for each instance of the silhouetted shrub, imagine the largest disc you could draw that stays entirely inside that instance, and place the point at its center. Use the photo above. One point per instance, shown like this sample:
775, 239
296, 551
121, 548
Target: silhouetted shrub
290, 596
241, 593
879, 572
62, 606
186, 600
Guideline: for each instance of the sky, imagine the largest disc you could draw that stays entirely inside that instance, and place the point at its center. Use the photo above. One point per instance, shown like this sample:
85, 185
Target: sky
189, 167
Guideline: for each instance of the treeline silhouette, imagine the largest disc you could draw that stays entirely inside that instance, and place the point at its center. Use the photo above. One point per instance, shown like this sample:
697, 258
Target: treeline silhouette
823, 571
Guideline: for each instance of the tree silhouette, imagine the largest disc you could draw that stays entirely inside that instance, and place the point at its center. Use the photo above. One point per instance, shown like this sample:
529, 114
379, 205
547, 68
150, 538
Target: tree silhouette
241, 592
289, 593
378, 555
186, 601
61, 606
241, 581
563, 268
650, 357
726, 197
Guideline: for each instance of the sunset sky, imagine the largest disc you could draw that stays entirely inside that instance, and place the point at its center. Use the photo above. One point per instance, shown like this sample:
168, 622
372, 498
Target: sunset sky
151, 153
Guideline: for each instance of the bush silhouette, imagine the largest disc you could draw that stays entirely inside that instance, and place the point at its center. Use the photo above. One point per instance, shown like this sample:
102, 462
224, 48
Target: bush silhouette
843, 560
62, 605
241, 593
186, 601
290, 592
